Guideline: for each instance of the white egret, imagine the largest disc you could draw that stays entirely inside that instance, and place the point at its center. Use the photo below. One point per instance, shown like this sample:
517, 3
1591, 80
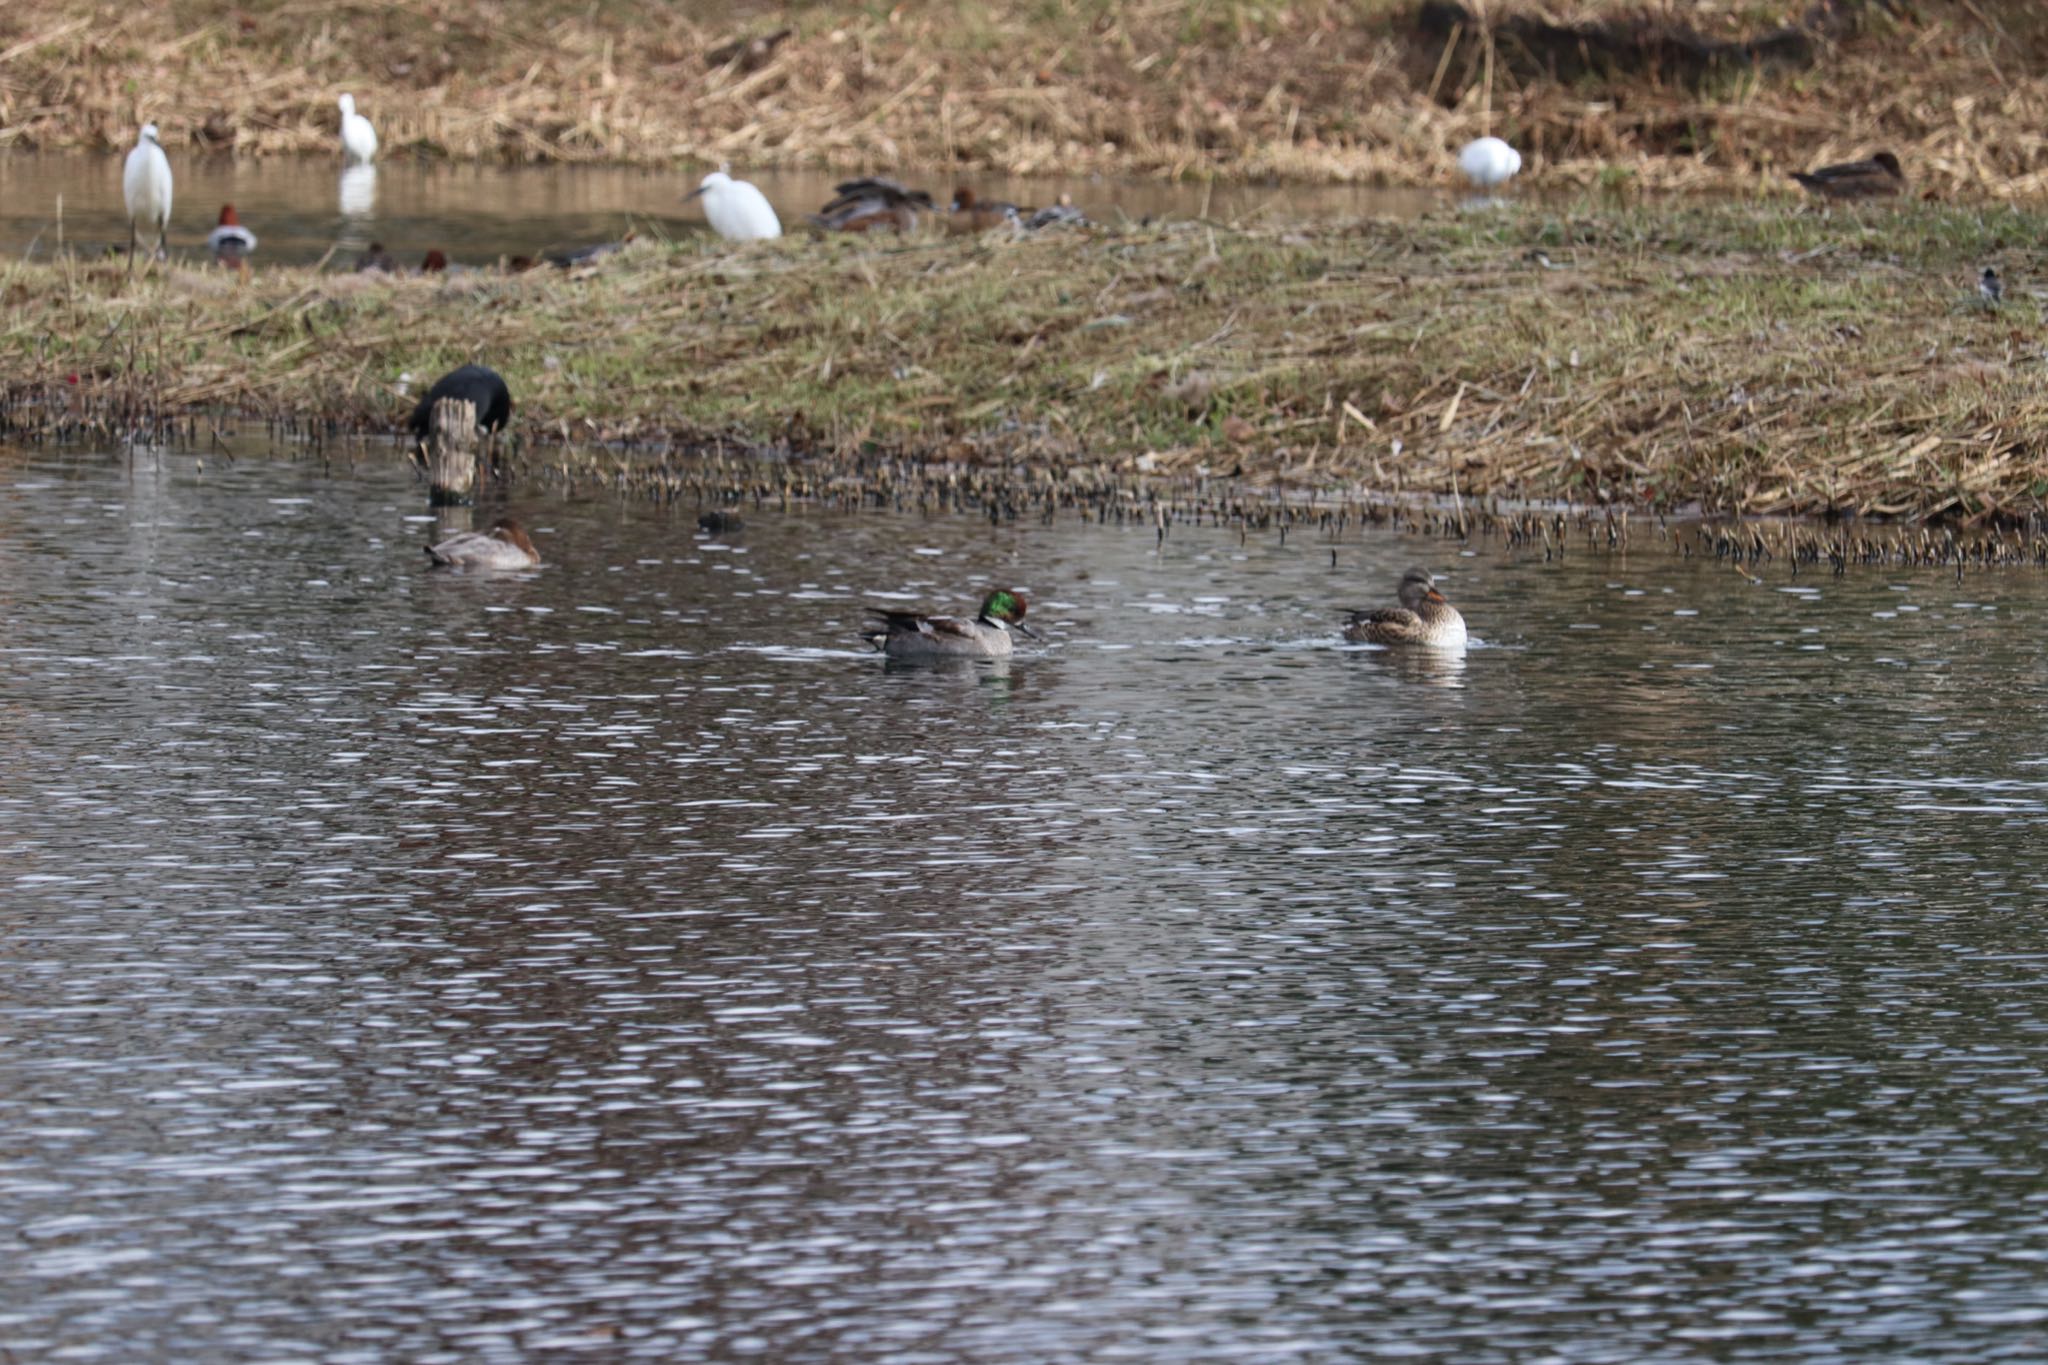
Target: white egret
146, 188
1489, 163
230, 242
358, 138
736, 210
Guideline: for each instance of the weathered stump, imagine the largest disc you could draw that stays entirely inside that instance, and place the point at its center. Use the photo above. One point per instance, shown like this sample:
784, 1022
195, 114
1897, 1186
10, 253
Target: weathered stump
453, 452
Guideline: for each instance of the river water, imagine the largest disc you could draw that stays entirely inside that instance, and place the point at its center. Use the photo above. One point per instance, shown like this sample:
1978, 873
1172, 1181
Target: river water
300, 209
615, 962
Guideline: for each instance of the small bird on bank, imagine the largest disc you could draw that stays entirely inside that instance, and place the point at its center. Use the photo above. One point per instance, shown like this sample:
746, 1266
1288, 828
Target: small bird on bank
230, 242
477, 384
872, 204
1990, 288
570, 257
906, 635
505, 546
358, 138
1060, 213
146, 190
1489, 162
1880, 176
376, 260
736, 210
1423, 618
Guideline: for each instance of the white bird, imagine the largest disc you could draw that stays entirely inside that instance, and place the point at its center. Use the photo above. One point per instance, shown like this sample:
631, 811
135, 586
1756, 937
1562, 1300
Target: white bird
1489, 163
358, 138
736, 210
146, 188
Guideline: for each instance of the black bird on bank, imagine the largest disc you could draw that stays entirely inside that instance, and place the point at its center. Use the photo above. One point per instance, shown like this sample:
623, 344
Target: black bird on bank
1880, 176
473, 383
1989, 287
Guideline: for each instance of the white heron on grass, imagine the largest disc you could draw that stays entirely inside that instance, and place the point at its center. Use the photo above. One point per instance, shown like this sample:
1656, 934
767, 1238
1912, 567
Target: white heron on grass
1489, 163
736, 210
146, 189
358, 138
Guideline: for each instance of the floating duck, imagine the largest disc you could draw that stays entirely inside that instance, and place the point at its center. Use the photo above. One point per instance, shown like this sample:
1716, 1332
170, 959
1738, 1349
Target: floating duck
477, 384
720, 523
1423, 618
358, 138
377, 259
1489, 163
505, 546
1880, 175
146, 190
906, 635
971, 215
736, 210
872, 205
230, 242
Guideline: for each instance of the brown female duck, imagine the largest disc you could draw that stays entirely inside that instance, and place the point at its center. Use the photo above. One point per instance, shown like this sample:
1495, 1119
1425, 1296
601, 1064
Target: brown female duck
1423, 618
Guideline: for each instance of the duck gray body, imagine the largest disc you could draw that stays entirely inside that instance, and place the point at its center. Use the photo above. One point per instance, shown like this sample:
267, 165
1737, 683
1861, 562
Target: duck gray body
907, 635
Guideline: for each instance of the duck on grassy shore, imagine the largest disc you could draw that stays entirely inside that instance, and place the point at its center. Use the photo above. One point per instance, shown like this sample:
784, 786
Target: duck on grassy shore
1879, 176
230, 242
1423, 618
872, 204
907, 635
505, 546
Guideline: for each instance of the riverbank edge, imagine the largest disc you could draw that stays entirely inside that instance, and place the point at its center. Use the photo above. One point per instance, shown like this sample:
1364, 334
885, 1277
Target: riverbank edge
1737, 359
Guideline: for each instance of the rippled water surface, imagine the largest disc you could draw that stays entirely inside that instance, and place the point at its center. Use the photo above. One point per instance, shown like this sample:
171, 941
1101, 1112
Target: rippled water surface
613, 962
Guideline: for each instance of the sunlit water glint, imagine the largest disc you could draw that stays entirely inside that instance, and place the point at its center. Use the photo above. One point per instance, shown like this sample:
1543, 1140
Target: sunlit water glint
617, 960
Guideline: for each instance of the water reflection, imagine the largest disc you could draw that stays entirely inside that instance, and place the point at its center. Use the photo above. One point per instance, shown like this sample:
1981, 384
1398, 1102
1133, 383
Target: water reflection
358, 200
617, 958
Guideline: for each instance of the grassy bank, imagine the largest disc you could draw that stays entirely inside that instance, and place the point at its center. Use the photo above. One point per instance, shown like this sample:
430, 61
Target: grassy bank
1745, 359
1337, 90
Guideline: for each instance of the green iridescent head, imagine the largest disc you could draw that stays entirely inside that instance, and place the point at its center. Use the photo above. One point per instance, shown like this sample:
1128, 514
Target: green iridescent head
1004, 605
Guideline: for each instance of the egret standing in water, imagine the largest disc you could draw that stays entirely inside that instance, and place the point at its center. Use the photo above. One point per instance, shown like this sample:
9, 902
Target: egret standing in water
358, 138
736, 210
146, 187
1489, 163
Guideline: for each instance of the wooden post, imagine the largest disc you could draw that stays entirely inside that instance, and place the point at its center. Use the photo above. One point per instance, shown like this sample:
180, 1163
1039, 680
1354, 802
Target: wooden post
452, 452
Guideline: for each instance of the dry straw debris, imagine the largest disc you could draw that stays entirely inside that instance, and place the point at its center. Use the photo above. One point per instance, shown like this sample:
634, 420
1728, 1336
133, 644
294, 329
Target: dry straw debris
1324, 90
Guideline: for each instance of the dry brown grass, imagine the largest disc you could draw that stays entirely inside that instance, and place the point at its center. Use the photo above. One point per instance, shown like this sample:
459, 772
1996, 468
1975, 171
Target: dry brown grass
1317, 90
1741, 358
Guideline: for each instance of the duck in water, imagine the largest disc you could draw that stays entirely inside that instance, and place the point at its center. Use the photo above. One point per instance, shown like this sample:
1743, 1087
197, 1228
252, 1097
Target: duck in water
1423, 618
906, 635
505, 546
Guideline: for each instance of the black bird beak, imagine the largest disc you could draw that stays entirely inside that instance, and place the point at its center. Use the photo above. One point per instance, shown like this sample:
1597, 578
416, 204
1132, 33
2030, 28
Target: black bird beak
693, 194
1029, 631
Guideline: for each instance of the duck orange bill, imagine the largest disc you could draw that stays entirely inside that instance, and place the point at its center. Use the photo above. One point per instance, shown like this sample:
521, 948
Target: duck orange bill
1433, 595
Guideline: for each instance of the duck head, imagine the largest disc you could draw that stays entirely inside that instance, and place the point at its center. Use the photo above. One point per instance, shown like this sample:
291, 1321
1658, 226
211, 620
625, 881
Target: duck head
1007, 608
1890, 163
1417, 587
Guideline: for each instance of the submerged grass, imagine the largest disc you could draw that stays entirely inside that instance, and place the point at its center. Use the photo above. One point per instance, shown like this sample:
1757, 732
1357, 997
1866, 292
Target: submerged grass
1738, 359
